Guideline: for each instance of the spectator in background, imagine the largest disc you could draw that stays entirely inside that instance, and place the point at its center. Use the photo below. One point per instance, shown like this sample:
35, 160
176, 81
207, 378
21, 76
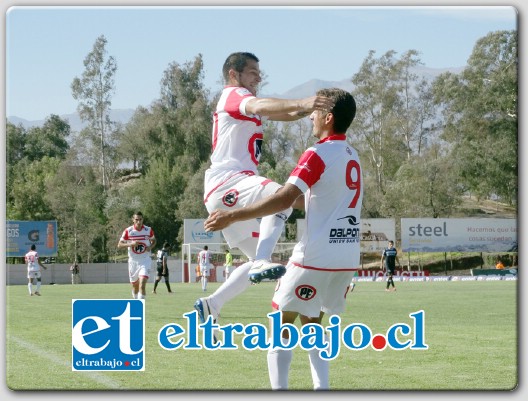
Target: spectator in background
499, 264
76, 279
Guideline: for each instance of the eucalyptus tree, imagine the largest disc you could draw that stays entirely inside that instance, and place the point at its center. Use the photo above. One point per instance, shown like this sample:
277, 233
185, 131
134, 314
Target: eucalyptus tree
395, 116
94, 91
480, 116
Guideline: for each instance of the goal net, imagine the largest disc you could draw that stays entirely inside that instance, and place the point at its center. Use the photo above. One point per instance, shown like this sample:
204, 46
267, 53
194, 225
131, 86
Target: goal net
190, 251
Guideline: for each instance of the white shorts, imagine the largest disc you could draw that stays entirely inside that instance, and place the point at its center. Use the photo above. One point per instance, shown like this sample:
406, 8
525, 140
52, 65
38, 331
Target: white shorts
204, 271
137, 269
309, 292
34, 274
240, 191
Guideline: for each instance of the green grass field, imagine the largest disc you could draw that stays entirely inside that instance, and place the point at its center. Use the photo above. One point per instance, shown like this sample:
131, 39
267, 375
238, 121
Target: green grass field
471, 329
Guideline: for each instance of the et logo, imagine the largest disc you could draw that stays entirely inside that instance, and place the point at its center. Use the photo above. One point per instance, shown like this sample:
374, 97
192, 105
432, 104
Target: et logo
108, 335
305, 292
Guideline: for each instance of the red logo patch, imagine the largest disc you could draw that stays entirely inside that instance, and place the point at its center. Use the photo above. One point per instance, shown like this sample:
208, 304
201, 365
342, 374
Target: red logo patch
305, 292
230, 198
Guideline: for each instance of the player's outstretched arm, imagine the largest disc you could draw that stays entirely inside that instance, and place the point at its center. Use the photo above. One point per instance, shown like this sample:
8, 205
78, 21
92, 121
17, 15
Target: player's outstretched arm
288, 109
281, 200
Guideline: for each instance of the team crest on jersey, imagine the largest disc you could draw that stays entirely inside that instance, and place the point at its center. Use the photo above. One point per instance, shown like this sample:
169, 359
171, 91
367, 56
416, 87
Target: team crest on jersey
255, 147
305, 292
230, 198
139, 248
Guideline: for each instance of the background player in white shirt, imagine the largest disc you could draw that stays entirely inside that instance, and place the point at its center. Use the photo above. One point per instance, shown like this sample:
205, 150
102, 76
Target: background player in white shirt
33, 269
204, 261
140, 240
322, 263
233, 181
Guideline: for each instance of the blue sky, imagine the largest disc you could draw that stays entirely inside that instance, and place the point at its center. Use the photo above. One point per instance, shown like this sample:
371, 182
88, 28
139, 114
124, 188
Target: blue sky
46, 46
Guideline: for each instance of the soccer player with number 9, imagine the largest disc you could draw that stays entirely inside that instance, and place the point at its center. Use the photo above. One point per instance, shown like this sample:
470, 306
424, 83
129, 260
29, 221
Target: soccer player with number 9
322, 264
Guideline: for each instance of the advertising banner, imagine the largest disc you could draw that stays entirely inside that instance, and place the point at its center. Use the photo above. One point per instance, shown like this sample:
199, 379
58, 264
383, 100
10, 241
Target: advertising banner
193, 231
22, 234
375, 233
459, 235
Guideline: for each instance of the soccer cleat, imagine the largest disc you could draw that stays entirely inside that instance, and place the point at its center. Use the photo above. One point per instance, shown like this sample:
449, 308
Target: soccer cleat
263, 269
37, 293
204, 311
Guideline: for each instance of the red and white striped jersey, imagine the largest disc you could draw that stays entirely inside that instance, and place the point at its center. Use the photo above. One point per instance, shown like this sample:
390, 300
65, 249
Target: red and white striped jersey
32, 261
144, 237
329, 175
237, 138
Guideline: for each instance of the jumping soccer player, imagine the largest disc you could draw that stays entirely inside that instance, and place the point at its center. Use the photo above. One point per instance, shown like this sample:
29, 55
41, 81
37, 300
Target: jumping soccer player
233, 181
322, 264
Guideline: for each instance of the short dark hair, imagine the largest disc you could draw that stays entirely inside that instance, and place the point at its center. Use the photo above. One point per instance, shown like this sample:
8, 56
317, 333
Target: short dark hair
206, 247
237, 61
33, 247
344, 109
166, 244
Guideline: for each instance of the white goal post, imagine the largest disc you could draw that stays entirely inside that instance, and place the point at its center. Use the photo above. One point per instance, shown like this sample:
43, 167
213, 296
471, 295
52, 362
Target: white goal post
281, 254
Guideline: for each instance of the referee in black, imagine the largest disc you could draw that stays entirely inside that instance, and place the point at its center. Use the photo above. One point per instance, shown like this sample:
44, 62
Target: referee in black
390, 255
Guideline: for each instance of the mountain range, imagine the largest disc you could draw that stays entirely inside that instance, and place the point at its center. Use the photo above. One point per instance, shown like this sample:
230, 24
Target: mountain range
300, 91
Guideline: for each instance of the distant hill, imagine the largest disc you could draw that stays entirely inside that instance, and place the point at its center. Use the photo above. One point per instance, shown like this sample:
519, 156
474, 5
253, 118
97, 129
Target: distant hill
118, 115
300, 91
310, 87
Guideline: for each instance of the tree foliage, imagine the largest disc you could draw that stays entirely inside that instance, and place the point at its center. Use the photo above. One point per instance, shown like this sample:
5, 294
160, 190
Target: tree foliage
78, 206
422, 144
94, 91
480, 116
394, 116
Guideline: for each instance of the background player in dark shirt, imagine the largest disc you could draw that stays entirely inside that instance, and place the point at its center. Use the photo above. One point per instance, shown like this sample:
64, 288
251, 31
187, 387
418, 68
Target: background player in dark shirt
161, 267
390, 256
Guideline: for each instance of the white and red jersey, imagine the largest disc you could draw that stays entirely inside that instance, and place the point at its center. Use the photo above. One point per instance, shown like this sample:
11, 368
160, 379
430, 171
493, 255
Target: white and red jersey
31, 259
204, 258
329, 175
237, 138
143, 236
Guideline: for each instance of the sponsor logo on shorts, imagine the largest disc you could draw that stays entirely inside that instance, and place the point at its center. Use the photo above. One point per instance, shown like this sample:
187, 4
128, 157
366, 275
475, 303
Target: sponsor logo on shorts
305, 292
108, 335
230, 198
